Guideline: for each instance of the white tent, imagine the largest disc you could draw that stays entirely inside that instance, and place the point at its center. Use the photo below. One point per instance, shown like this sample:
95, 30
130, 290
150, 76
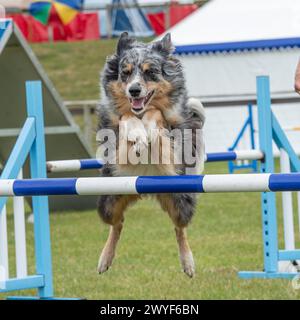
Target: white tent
224, 45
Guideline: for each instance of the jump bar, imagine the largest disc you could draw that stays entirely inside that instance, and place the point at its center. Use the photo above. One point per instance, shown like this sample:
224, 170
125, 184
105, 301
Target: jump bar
73, 165
84, 164
234, 155
152, 184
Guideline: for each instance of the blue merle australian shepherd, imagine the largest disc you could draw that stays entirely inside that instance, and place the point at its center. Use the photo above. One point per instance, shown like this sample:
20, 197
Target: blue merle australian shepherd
143, 87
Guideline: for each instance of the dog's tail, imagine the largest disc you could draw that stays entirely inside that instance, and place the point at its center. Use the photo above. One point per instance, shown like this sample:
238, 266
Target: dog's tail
195, 118
196, 112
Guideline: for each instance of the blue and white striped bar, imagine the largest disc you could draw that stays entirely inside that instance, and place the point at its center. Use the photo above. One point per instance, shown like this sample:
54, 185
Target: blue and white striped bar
152, 184
84, 164
73, 165
234, 155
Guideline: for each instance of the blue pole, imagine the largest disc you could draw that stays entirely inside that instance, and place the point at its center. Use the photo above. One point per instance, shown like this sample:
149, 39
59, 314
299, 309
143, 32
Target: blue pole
249, 122
250, 112
282, 141
269, 221
19, 154
252, 139
40, 203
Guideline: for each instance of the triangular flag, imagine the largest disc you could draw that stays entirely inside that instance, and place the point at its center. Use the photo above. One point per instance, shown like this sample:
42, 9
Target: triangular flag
41, 10
66, 13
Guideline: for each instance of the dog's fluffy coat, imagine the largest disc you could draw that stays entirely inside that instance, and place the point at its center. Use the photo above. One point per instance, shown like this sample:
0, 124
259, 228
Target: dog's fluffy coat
164, 105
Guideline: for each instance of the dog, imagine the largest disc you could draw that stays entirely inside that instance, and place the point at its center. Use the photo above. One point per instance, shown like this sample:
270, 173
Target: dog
143, 90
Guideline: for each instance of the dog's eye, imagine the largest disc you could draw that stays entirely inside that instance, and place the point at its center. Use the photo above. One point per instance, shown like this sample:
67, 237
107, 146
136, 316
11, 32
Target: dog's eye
149, 72
126, 72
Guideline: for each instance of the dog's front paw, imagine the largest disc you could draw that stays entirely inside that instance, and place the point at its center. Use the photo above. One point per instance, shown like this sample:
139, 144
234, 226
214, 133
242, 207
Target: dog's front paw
139, 139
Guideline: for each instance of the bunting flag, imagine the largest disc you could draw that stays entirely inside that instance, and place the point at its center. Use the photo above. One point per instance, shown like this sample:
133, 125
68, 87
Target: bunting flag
66, 10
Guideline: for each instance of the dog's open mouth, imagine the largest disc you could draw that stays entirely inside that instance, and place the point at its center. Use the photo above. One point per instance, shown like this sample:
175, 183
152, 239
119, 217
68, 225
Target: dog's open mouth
139, 104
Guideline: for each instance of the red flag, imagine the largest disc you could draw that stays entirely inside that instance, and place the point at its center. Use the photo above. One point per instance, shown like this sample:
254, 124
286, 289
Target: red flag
85, 26
177, 13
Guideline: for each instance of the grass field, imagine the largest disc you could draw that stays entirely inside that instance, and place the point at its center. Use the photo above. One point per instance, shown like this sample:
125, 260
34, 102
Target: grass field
74, 67
225, 235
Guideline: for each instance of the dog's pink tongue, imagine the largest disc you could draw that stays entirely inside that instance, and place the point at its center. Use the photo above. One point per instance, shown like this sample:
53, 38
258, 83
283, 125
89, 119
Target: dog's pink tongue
138, 103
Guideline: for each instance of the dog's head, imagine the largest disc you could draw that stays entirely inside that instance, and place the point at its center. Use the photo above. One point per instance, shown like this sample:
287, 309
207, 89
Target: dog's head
139, 75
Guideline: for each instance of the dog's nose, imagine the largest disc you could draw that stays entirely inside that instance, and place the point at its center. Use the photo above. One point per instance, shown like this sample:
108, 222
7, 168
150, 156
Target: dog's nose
135, 90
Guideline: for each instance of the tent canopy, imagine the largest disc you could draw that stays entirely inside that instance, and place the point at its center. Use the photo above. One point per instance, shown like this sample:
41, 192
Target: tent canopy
239, 21
246, 38
223, 46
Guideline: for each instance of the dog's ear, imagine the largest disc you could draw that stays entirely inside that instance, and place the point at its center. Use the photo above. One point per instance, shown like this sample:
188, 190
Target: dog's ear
111, 69
125, 42
164, 46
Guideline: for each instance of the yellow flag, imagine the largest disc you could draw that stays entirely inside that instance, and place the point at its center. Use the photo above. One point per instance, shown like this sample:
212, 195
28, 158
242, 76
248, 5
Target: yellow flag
66, 13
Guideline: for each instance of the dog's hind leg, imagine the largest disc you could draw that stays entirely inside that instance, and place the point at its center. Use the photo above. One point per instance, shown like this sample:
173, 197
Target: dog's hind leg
186, 255
111, 210
180, 208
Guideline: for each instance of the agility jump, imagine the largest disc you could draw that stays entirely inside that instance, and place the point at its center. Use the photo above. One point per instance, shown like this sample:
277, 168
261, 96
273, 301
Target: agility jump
86, 164
152, 184
31, 142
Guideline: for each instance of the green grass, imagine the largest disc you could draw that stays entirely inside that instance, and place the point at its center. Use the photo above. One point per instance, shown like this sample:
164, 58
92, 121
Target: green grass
225, 236
75, 67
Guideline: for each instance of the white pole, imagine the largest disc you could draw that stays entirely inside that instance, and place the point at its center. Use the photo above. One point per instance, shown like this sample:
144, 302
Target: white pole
244, 147
287, 205
238, 161
20, 234
3, 243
